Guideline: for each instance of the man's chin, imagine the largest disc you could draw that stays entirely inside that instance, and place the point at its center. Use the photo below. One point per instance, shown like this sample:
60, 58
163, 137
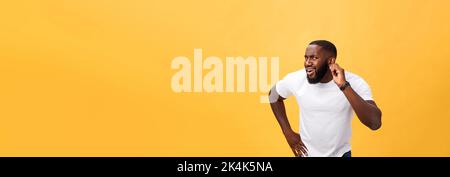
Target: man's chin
313, 80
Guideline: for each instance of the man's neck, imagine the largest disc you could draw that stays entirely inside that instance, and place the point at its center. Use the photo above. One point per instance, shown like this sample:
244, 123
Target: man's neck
327, 78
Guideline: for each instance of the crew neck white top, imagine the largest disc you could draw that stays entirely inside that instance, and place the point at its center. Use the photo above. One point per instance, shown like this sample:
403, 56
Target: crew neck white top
325, 113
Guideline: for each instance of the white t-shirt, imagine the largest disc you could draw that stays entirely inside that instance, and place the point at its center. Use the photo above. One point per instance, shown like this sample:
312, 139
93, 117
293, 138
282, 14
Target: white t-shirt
325, 113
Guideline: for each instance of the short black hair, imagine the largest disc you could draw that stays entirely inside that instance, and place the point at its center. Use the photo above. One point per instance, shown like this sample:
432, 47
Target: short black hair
326, 45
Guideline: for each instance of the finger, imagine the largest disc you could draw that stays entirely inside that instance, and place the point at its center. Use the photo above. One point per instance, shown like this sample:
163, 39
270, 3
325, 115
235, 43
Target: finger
331, 67
303, 153
333, 70
340, 68
303, 145
295, 152
300, 154
301, 150
298, 150
305, 150
337, 72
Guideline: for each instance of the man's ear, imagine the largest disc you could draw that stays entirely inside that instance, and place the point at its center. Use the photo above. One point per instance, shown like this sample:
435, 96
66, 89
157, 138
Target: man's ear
332, 60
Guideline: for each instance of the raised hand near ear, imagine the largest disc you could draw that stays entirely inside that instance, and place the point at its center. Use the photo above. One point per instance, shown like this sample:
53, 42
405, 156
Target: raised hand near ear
337, 72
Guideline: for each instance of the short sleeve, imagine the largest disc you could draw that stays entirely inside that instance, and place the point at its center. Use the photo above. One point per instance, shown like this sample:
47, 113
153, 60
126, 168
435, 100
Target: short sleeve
362, 89
283, 87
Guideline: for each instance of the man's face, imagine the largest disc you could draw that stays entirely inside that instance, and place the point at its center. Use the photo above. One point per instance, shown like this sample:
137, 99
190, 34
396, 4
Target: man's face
316, 63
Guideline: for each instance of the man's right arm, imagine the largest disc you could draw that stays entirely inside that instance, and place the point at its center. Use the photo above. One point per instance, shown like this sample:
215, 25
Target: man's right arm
279, 110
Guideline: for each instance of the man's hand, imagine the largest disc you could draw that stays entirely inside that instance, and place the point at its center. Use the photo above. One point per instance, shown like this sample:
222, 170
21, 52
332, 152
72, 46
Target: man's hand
337, 72
296, 144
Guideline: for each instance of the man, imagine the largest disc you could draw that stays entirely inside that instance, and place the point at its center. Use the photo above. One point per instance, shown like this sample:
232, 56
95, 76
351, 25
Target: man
327, 96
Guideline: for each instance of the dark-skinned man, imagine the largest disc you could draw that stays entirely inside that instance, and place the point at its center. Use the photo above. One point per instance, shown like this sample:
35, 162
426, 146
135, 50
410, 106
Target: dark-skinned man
327, 96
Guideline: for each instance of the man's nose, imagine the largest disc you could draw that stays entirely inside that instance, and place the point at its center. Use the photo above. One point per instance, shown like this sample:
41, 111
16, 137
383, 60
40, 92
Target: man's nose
308, 62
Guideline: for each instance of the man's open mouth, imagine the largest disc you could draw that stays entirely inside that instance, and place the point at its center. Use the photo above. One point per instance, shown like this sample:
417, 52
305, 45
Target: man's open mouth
310, 71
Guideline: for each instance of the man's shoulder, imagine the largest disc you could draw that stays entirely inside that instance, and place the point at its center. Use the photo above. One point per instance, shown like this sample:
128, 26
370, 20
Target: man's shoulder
296, 74
295, 77
354, 78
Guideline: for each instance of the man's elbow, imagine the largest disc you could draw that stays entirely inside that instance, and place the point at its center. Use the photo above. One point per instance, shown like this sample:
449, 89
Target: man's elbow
273, 95
375, 125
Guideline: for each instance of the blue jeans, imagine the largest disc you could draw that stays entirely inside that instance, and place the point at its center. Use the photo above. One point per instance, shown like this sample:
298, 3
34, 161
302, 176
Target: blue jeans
347, 154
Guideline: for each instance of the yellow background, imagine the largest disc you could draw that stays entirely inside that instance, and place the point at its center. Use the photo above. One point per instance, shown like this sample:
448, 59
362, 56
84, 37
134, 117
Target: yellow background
92, 77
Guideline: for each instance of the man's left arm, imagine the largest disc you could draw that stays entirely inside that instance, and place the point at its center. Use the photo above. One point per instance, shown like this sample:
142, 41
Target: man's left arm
366, 110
